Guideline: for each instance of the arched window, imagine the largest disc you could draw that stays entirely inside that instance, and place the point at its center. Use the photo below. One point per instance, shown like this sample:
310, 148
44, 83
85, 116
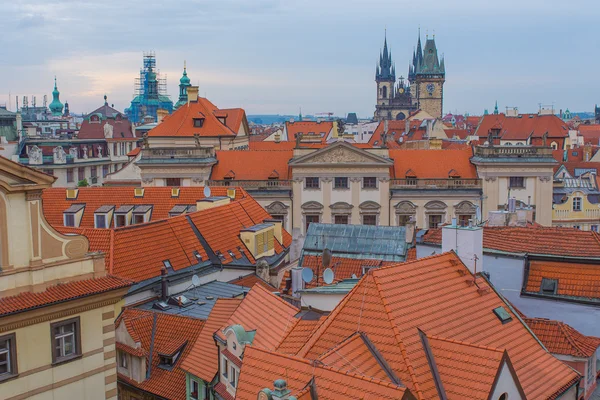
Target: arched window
554, 145
384, 92
503, 396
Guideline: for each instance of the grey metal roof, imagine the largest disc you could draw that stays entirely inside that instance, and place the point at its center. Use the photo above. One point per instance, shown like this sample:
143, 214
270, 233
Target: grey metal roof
203, 299
357, 241
74, 208
104, 209
142, 208
179, 208
124, 209
341, 287
257, 227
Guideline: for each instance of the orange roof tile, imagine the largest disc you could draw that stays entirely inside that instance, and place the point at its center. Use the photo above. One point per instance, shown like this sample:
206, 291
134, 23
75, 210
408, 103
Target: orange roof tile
181, 122
560, 338
251, 164
162, 382
430, 164
383, 306
574, 280
262, 367
305, 127
296, 336
590, 133
134, 152
55, 202
523, 127
251, 280
534, 240
203, 360
395, 130
60, 293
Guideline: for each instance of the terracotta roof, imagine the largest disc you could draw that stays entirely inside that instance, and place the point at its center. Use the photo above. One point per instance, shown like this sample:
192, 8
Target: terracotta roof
433, 163
449, 306
251, 164
296, 335
262, 367
134, 152
181, 122
95, 130
590, 133
460, 133
395, 130
162, 382
574, 280
203, 360
560, 338
60, 293
534, 240
523, 127
55, 202
305, 127
251, 280
264, 312
138, 352
222, 391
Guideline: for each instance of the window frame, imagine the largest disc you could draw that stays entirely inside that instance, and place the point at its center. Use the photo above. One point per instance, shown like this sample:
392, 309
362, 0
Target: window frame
197, 392
65, 215
100, 215
123, 362
225, 367
311, 185
76, 321
307, 222
369, 216
120, 215
11, 351
429, 216
137, 215
336, 216
364, 182
550, 281
70, 175
341, 187
515, 186
579, 201
233, 377
198, 122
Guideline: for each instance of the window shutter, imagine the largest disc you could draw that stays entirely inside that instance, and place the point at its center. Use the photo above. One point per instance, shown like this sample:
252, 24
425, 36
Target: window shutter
260, 244
270, 239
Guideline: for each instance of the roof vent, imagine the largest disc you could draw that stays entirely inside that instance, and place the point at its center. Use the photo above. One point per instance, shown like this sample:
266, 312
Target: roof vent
138, 192
72, 194
502, 315
174, 192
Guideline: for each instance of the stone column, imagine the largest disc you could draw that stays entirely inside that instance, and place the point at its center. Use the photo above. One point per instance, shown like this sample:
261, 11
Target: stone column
355, 187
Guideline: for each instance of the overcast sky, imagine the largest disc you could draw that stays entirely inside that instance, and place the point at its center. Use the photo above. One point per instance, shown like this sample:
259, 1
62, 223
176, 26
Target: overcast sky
271, 56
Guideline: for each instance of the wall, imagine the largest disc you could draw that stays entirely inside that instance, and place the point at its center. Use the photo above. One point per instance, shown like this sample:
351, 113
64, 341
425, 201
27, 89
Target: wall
320, 301
506, 384
563, 214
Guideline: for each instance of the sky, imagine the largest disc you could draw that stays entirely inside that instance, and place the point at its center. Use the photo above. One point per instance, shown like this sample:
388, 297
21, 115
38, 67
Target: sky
275, 56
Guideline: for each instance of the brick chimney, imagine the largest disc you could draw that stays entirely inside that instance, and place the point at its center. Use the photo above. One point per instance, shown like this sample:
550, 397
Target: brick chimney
161, 113
192, 93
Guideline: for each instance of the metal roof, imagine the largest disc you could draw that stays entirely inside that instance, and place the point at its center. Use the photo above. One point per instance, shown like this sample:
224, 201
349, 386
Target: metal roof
74, 208
125, 208
257, 227
341, 287
104, 209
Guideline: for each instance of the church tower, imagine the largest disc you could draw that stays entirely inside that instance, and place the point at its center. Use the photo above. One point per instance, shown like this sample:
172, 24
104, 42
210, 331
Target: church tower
427, 75
184, 83
385, 77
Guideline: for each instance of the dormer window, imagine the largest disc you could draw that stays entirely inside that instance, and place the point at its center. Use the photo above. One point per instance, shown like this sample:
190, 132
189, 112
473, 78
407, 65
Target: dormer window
102, 217
123, 216
168, 361
141, 214
72, 215
197, 255
198, 122
222, 120
100, 221
69, 219
549, 286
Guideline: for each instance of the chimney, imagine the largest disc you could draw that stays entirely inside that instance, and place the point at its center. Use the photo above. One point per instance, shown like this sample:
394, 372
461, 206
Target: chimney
429, 125
406, 126
297, 282
410, 230
280, 392
192, 93
211, 202
161, 113
467, 243
262, 270
277, 137
164, 287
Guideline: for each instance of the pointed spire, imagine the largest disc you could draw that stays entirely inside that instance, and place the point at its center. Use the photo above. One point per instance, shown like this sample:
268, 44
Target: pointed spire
54, 82
442, 65
496, 108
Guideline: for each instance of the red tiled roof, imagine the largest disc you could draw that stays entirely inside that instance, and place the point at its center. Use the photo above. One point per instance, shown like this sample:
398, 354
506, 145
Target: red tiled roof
560, 338
395, 129
55, 202
264, 312
95, 130
162, 382
590, 133
574, 280
534, 240
383, 305
138, 352
251, 164
60, 293
296, 336
251, 280
222, 391
523, 127
232, 357
262, 367
134, 152
460, 133
305, 127
181, 122
203, 360
430, 164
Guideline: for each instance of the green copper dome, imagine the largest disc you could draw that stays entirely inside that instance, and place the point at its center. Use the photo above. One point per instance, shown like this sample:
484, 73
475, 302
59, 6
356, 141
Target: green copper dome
56, 107
184, 79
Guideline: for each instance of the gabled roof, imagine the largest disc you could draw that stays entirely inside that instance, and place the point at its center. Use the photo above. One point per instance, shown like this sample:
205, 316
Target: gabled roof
437, 295
203, 360
162, 382
560, 338
262, 367
533, 240
429, 164
395, 130
60, 293
523, 127
181, 122
574, 280
251, 164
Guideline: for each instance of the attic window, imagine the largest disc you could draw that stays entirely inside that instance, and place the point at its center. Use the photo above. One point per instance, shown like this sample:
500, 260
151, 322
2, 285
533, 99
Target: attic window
198, 122
180, 301
502, 315
161, 305
231, 254
69, 219
548, 286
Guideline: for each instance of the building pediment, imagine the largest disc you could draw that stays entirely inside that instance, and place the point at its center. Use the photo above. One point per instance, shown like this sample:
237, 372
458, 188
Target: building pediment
15, 177
343, 154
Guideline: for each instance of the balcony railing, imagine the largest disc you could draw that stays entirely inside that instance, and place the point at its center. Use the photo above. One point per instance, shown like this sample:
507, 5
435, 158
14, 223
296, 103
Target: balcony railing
178, 152
456, 183
256, 185
513, 151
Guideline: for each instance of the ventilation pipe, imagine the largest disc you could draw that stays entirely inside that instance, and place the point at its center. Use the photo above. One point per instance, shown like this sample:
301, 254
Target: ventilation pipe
164, 288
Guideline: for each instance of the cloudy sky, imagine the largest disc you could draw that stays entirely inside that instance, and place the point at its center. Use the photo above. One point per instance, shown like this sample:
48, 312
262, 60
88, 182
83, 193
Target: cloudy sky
271, 56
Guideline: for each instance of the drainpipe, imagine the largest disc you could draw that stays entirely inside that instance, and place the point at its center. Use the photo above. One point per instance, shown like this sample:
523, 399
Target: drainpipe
163, 284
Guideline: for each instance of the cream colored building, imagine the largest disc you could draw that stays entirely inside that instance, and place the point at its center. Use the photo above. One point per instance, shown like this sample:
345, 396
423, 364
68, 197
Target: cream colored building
57, 305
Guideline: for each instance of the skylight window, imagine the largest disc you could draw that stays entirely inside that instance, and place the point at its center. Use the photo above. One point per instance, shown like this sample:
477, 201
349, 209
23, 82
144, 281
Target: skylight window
502, 315
161, 305
549, 286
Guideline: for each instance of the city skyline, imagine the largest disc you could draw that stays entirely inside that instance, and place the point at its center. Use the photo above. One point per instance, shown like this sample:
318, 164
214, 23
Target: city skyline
291, 56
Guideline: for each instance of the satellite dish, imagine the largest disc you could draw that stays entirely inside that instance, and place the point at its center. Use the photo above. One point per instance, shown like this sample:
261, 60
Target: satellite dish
206, 191
328, 276
478, 214
195, 280
326, 257
354, 276
307, 274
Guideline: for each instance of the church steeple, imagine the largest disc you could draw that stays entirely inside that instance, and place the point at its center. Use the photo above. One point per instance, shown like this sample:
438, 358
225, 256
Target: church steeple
385, 71
184, 83
56, 107
496, 108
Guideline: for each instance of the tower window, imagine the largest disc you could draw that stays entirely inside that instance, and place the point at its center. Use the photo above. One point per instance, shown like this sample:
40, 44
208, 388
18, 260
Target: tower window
384, 92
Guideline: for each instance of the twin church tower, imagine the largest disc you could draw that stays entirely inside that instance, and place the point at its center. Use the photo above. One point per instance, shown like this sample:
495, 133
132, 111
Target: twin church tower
422, 90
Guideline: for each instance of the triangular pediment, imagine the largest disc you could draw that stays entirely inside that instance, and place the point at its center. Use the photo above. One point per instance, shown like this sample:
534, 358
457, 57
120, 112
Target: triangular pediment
341, 153
17, 177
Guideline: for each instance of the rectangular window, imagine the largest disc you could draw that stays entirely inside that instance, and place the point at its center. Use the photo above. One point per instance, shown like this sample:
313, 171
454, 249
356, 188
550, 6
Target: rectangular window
233, 377
403, 219
340, 219
66, 340
104, 171
69, 175
80, 173
516, 182
225, 367
549, 286
576, 203
312, 182
434, 220
194, 389
100, 221
369, 219
463, 220
123, 359
278, 217
69, 219
340, 183
369, 182
138, 218
120, 220
94, 173
8, 356
173, 181
310, 219
198, 122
